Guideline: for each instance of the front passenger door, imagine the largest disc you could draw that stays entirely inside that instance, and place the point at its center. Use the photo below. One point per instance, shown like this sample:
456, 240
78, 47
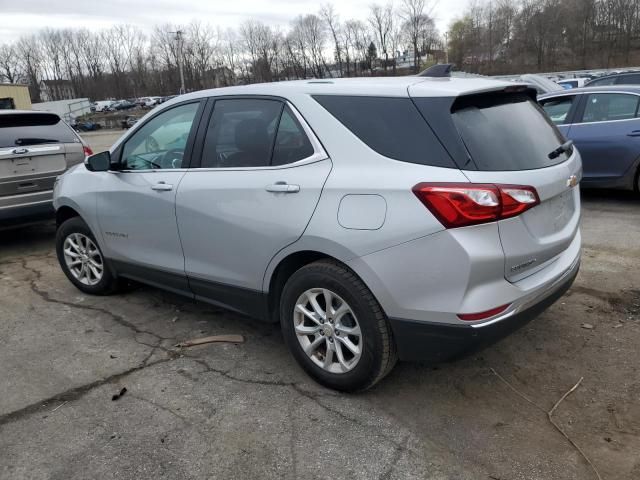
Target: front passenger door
136, 203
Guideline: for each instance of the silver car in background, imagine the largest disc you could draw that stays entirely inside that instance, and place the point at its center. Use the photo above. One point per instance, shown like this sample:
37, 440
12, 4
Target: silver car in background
415, 218
35, 147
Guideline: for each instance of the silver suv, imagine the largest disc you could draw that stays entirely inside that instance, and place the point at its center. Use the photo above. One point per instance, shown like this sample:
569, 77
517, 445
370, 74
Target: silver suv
414, 218
35, 147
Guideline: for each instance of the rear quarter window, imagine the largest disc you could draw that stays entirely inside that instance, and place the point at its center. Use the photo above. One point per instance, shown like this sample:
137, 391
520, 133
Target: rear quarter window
391, 126
34, 129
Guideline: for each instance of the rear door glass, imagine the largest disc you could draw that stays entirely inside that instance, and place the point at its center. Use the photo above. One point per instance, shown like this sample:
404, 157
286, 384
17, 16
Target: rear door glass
606, 107
391, 126
241, 133
292, 143
558, 108
22, 130
506, 131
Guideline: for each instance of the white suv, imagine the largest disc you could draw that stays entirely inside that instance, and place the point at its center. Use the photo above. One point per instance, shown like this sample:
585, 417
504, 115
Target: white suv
375, 219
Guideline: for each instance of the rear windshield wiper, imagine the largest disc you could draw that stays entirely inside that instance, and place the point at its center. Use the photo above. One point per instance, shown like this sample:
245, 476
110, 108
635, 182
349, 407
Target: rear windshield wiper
564, 148
35, 141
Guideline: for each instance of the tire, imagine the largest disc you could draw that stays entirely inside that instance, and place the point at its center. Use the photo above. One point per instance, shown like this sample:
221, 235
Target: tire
77, 232
347, 371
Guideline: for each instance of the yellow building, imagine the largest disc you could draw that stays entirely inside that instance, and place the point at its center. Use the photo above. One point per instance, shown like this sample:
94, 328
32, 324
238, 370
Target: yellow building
13, 96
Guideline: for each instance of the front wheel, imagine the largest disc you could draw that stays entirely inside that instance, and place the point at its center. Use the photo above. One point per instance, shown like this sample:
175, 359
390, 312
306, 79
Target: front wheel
81, 259
335, 328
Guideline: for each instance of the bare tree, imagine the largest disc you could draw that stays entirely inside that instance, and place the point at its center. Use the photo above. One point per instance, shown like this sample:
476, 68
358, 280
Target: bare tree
381, 21
416, 15
327, 13
9, 66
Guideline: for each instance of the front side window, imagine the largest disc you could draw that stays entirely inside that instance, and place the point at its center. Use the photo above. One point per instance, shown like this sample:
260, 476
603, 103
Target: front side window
241, 133
558, 108
161, 142
606, 107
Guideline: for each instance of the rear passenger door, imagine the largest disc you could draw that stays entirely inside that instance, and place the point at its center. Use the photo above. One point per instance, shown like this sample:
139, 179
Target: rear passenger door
253, 192
607, 134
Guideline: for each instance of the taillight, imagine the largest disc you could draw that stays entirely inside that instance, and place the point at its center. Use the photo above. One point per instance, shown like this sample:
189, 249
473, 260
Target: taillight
87, 151
463, 204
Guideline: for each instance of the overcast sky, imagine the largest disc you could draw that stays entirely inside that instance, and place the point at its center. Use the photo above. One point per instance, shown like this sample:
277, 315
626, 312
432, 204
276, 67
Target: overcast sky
19, 17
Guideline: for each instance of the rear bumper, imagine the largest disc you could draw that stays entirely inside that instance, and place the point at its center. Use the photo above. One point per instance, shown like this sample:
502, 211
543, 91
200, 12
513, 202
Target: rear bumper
431, 342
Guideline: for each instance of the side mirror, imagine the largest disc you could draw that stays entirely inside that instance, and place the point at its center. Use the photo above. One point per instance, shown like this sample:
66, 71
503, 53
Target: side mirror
100, 162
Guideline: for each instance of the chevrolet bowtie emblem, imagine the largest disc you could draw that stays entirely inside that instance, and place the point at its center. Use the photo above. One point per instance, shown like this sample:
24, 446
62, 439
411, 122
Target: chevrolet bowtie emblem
572, 181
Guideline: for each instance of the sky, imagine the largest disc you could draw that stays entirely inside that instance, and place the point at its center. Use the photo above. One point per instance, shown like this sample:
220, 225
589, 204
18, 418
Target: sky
21, 17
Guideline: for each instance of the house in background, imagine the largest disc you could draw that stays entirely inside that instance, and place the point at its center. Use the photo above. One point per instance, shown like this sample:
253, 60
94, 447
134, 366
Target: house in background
14, 97
52, 90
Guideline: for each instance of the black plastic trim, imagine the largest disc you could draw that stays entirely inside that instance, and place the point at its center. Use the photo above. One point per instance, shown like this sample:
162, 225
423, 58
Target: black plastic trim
429, 342
172, 282
252, 303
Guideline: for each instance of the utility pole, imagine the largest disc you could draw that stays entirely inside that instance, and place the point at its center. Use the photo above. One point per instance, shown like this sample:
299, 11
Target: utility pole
179, 44
446, 47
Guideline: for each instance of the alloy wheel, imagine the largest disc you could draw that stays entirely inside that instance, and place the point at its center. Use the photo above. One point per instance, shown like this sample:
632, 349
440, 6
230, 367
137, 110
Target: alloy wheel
328, 330
83, 259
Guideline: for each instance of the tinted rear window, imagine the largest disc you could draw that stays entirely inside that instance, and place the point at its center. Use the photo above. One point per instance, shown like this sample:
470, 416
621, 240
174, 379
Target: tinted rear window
393, 127
33, 129
506, 132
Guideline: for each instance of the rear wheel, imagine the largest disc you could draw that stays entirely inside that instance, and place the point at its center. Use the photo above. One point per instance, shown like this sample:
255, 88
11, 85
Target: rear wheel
335, 328
81, 259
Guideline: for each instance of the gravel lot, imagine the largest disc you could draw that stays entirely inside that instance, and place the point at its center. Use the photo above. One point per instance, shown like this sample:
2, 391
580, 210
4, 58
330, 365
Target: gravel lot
247, 411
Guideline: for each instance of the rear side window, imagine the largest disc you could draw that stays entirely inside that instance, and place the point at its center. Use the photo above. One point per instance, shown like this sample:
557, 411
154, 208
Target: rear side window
506, 132
241, 133
21, 130
393, 127
606, 107
292, 143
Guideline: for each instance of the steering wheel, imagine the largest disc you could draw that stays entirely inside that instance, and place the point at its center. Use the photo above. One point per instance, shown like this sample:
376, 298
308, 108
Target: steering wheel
151, 144
173, 157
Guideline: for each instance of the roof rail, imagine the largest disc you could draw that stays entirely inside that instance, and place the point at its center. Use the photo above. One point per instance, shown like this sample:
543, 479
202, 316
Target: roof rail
441, 70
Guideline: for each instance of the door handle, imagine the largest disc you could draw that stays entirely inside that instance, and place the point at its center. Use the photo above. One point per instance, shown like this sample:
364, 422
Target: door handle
162, 187
283, 187
635, 133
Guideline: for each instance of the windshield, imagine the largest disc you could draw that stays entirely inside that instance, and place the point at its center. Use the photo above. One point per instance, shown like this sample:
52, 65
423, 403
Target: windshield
33, 129
507, 132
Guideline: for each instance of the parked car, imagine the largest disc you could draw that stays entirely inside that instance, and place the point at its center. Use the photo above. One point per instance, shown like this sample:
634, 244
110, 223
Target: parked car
370, 217
629, 78
541, 84
570, 83
122, 105
87, 126
603, 123
101, 106
149, 101
35, 147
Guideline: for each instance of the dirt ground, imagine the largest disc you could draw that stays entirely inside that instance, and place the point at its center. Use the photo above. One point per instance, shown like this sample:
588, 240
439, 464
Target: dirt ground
247, 411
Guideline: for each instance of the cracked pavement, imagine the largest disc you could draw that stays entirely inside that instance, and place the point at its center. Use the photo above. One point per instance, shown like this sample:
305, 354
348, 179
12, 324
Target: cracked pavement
245, 411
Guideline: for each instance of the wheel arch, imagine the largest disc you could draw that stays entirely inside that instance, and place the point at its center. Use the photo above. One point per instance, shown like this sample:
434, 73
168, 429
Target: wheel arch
64, 213
285, 264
